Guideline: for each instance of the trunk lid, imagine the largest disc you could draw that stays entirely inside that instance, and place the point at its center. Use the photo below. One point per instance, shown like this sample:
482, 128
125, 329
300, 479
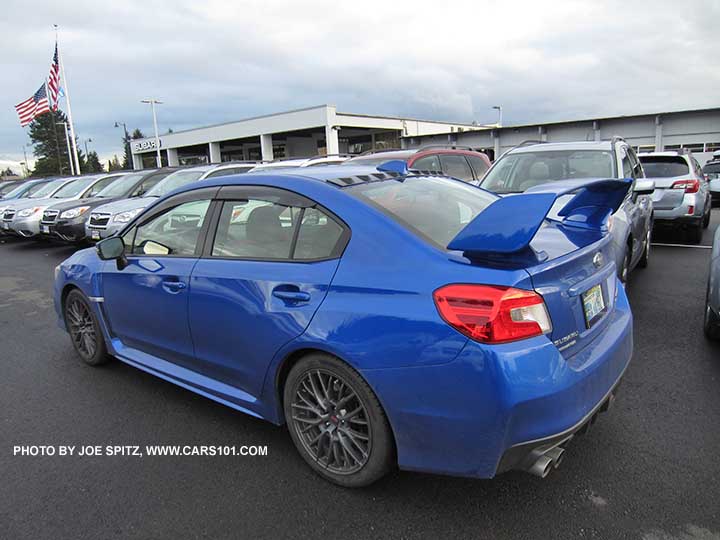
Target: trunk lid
559, 236
579, 266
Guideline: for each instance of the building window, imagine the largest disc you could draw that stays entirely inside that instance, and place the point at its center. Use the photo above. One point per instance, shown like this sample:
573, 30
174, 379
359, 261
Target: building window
712, 146
644, 148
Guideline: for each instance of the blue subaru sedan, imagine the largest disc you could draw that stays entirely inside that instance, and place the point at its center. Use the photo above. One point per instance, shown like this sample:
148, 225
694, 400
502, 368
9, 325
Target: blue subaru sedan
388, 318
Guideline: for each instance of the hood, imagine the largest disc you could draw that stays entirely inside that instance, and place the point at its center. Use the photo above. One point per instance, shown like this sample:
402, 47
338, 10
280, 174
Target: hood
29, 203
93, 203
123, 205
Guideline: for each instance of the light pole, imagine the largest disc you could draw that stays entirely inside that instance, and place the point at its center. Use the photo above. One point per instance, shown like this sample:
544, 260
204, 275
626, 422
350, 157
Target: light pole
86, 149
67, 140
498, 108
26, 167
127, 141
152, 103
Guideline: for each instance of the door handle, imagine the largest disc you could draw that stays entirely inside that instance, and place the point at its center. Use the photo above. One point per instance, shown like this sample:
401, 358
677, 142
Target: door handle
291, 295
173, 286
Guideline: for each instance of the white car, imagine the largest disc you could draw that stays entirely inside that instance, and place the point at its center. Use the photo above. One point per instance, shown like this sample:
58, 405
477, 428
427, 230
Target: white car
290, 163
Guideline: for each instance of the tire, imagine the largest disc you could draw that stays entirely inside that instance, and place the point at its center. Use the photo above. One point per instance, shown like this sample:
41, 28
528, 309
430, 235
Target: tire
350, 450
645, 257
624, 272
706, 218
84, 330
695, 234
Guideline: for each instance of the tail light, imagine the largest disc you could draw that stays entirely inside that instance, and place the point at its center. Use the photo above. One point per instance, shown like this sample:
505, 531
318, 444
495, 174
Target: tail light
493, 314
690, 186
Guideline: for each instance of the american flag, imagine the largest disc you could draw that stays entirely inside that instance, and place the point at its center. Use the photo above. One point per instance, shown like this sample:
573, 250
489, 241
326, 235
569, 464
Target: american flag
54, 80
33, 106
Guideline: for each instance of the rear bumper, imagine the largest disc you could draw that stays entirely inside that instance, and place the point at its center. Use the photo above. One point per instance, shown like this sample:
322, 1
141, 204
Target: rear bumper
488, 410
681, 215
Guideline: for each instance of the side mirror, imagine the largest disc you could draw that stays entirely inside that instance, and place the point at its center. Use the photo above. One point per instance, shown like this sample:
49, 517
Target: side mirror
112, 248
644, 187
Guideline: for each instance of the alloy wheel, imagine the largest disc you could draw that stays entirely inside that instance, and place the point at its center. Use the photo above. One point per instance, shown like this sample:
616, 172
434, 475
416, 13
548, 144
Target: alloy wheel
82, 328
331, 422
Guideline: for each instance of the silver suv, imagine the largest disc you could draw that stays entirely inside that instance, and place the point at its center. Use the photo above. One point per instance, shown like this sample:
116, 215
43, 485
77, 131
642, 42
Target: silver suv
682, 193
532, 164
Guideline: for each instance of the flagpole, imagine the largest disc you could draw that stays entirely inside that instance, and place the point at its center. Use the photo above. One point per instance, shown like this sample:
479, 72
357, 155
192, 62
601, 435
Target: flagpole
69, 109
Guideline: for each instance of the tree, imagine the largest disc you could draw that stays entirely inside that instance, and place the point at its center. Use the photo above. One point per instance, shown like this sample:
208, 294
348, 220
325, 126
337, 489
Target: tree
114, 164
92, 164
49, 146
127, 158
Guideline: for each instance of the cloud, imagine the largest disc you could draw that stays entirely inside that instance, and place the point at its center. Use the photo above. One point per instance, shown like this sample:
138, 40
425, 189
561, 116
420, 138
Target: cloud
220, 60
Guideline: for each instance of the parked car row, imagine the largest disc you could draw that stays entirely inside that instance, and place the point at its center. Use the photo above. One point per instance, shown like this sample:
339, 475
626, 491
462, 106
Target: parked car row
510, 342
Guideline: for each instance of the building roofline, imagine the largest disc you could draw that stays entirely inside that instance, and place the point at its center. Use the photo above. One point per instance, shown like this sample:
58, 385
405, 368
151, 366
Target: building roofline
578, 120
357, 115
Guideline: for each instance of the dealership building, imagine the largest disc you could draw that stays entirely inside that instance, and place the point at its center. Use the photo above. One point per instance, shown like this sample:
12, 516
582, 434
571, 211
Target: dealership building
303, 132
324, 130
696, 130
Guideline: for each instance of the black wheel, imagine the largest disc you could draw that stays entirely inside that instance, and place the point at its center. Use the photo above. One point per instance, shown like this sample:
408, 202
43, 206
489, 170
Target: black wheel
706, 218
624, 272
711, 323
695, 234
84, 329
336, 422
645, 258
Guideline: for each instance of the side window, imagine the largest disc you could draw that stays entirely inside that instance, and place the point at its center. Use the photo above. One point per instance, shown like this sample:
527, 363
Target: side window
174, 232
478, 164
318, 236
455, 165
255, 229
427, 163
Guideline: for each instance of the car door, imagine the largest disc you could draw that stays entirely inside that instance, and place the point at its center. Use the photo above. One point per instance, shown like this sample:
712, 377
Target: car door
146, 301
263, 274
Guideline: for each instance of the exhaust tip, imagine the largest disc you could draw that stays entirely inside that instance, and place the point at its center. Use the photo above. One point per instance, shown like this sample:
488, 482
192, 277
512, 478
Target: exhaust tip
541, 467
557, 455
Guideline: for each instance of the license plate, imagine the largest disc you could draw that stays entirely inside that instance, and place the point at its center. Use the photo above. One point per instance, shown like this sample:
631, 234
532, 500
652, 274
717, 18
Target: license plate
95, 235
45, 229
593, 304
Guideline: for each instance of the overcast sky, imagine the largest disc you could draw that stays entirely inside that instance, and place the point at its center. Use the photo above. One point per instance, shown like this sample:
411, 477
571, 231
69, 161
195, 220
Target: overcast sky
216, 61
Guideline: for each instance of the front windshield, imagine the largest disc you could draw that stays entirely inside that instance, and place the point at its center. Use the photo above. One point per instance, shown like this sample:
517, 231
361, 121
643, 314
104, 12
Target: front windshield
18, 190
7, 188
73, 188
174, 181
435, 209
515, 173
47, 189
121, 186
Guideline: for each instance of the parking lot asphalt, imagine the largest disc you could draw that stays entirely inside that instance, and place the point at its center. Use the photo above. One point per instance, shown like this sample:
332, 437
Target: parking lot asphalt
648, 469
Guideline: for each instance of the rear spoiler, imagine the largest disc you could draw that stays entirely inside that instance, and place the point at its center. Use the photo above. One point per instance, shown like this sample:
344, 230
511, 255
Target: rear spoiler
509, 224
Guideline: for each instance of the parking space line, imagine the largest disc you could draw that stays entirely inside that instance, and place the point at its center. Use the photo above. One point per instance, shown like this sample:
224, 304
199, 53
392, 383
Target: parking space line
680, 245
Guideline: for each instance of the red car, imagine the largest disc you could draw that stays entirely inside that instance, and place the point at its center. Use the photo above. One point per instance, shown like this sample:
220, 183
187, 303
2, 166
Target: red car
459, 162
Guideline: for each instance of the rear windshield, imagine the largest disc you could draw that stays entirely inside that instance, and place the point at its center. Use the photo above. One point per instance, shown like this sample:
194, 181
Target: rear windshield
664, 166
712, 168
435, 209
518, 172
377, 159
